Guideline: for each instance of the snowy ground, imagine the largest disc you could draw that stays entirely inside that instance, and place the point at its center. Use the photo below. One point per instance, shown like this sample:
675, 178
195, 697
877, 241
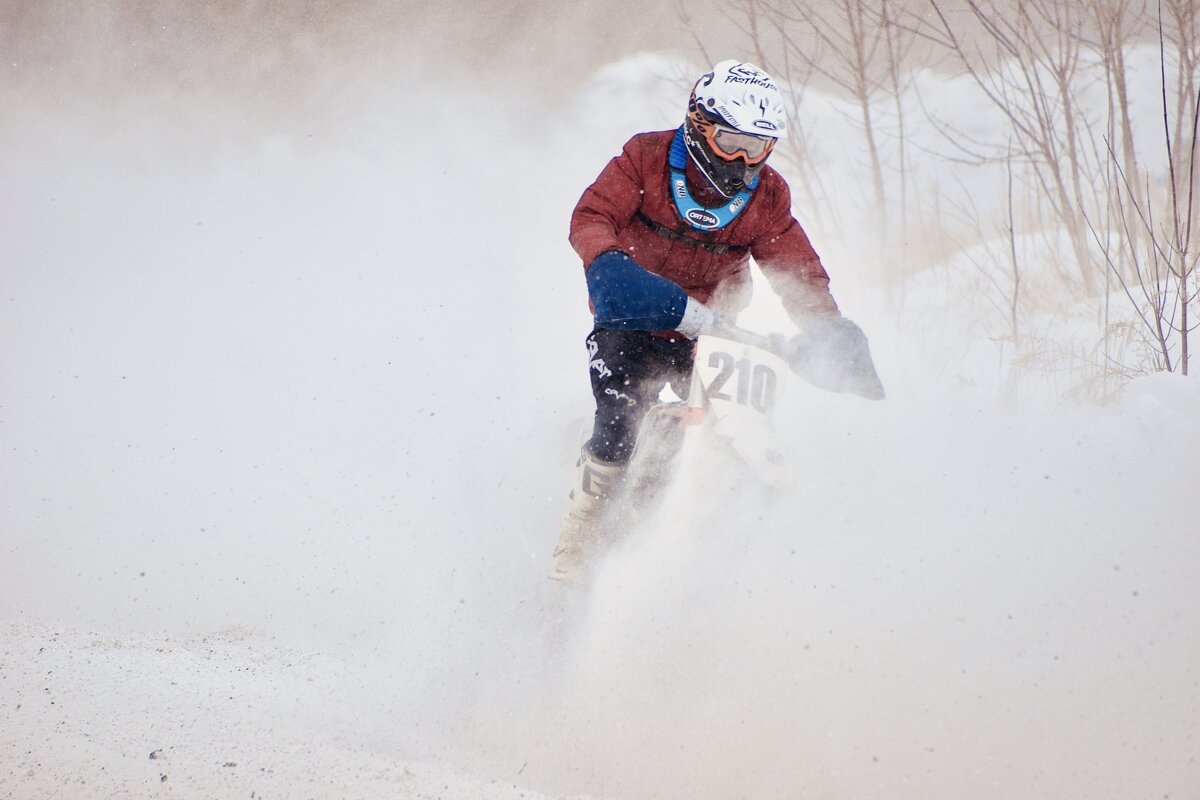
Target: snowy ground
961, 602
225, 715
283, 450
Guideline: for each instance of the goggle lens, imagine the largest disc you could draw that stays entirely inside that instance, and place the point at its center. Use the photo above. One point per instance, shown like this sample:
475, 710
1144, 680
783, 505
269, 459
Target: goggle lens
732, 143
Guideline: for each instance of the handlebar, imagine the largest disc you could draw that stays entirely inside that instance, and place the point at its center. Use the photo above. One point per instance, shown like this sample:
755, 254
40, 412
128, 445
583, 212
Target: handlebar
832, 354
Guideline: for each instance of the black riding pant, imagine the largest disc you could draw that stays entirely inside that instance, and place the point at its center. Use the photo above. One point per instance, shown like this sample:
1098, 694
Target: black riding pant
628, 370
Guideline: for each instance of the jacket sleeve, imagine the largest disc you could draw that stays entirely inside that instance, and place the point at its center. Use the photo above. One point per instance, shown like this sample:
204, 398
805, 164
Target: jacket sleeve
607, 206
789, 262
626, 296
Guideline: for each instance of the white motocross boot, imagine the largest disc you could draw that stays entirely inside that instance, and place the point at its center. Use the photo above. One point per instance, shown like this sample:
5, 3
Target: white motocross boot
581, 527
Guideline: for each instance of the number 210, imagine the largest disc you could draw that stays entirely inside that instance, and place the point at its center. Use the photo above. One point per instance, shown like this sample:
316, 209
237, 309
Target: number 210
755, 382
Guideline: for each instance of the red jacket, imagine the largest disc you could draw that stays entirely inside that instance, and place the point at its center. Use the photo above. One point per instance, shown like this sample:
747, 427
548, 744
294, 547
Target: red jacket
638, 180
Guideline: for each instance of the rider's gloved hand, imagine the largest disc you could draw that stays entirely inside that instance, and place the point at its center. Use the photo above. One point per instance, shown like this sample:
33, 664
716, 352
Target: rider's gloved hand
832, 352
832, 334
697, 319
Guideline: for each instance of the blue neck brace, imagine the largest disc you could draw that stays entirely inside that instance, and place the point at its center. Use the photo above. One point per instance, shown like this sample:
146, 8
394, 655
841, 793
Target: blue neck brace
699, 217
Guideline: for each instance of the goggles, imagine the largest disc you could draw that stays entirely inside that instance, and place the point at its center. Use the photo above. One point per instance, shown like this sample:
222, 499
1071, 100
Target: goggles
729, 144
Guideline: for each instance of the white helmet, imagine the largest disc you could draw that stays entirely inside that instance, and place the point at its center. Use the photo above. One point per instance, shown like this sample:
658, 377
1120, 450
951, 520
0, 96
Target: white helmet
744, 97
735, 116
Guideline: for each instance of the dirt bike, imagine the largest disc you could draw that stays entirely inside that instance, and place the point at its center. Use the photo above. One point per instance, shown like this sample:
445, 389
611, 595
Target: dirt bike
738, 381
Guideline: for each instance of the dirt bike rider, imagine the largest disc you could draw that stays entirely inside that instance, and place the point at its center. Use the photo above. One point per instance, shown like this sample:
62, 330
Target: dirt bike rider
666, 233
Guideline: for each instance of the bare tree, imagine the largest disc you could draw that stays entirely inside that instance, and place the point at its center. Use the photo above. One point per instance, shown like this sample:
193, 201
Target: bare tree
1026, 64
1118, 24
856, 46
1179, 26
898, 41
1156, 260
1073, 167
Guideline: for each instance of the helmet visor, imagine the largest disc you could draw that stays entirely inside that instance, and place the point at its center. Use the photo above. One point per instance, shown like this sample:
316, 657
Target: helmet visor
729, 144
